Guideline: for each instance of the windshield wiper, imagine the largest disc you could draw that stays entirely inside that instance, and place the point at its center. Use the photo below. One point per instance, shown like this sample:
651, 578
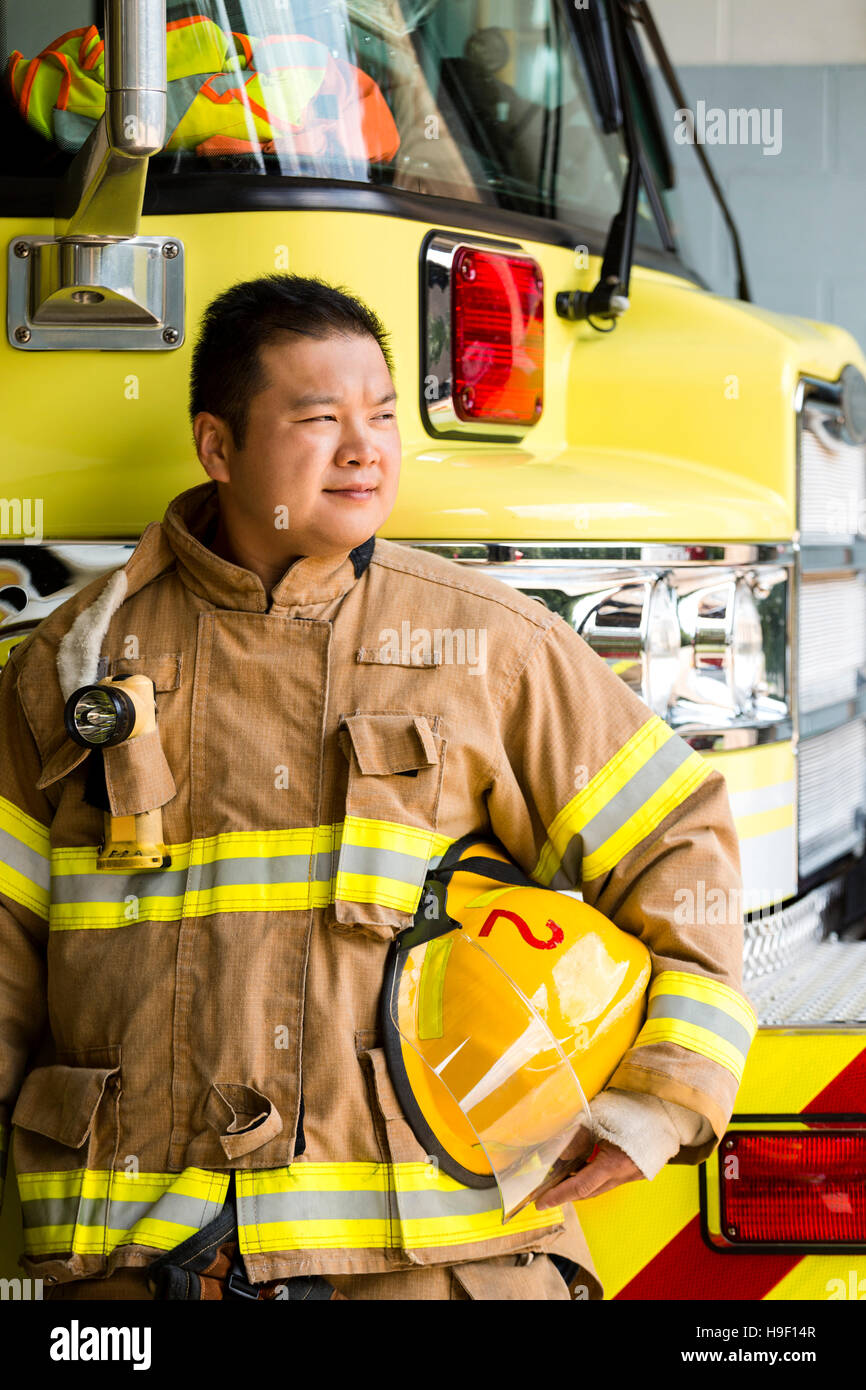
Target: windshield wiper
609, 298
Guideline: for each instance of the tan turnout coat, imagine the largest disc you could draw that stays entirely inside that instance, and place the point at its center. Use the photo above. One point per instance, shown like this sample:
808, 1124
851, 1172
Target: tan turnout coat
313, 755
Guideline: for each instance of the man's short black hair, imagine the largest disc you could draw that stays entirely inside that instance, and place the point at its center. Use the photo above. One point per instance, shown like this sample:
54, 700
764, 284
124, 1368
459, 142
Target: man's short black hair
226, 369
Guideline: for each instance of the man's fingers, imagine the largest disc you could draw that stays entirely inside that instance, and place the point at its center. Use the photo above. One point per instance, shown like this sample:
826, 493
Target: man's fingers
608, 1170
585, 1184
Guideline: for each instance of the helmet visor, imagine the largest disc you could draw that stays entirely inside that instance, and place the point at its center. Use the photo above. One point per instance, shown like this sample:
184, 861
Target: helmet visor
494, 1088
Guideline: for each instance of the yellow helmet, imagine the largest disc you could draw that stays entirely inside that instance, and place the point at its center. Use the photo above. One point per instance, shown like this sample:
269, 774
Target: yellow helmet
506, 1008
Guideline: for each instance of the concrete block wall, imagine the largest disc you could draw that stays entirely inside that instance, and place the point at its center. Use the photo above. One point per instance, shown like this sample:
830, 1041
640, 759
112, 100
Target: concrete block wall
801, 212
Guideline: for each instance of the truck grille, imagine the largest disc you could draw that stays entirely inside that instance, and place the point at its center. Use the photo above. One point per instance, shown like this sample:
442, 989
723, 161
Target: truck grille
832, 794
831, 640
832, 643
832, 484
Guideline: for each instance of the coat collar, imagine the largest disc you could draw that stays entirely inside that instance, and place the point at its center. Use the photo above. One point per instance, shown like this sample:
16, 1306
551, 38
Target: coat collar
189, 524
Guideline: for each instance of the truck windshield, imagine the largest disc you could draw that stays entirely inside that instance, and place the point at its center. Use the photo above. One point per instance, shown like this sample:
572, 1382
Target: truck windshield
483, 101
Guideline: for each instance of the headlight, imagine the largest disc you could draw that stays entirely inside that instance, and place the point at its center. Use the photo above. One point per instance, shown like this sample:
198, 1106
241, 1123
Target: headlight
747, 647
722, 628
636, 629
662, 648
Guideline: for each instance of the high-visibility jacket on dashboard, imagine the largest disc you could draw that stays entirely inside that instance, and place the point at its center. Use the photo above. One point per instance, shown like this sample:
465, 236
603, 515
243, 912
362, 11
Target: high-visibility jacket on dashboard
323, 750
225, 93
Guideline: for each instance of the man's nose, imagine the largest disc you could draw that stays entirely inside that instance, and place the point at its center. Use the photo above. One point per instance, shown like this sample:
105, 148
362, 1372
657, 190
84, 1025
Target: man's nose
357, 447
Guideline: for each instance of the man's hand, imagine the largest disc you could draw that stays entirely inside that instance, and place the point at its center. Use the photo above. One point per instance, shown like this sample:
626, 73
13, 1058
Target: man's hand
607, 1170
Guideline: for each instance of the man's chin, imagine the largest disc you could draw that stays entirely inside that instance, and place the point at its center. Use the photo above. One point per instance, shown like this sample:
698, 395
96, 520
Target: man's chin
335, 541
346, 536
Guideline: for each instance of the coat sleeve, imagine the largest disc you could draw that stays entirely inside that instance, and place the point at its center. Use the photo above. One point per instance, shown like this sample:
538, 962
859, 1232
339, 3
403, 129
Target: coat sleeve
592, 791
25, 816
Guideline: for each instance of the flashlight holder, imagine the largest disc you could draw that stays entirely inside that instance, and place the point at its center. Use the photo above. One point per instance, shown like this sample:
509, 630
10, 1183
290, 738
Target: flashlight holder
133, 841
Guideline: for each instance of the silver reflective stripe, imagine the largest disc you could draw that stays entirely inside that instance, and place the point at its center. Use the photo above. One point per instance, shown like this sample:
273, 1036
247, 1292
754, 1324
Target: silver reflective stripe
115, 888
251, 871
636, 792
324, 865
382, 863
274, 1207
75, 1210
29, 862
707, 1016
619, 810
254, 870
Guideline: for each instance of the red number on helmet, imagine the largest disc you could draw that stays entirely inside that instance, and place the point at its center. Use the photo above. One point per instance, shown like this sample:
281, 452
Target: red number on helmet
556, 933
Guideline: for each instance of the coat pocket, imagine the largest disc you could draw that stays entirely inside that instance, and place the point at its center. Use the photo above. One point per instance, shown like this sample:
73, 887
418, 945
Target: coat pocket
164, 670
65, 1133
243, 1117
396, 765
513, 1277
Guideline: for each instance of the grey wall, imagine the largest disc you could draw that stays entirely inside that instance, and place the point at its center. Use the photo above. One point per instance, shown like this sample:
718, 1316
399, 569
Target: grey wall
802, 212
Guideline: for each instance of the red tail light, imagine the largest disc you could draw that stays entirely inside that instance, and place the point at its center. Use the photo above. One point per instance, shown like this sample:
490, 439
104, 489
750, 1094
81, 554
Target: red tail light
497, 309
801, 1188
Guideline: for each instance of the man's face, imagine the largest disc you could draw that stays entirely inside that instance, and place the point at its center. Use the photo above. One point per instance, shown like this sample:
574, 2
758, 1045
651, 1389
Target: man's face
320, 464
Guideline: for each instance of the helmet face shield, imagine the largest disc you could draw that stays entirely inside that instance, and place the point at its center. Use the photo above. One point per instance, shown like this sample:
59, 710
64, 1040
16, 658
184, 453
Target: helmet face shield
495, 1104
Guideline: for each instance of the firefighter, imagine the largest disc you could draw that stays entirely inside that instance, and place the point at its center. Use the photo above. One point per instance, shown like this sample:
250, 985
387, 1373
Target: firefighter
192, 1065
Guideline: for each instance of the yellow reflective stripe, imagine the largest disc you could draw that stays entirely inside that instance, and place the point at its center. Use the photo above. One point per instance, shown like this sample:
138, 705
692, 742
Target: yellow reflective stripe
672, 793
369, 1206
249, 871
384, 834
648, 777
431, 988
28, 831
700, 1014
383, 862
95, 1211
367, 888
709, 991
418, 1235
24, 858
694, 1038
591, 799
385, 1235
24, 891
238, 843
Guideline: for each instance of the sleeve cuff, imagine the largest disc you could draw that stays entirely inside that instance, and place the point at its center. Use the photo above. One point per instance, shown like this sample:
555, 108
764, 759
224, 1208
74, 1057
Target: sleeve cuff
650, 1130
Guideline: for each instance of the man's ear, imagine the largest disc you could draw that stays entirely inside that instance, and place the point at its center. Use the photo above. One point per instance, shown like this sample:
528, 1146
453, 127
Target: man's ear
214, 445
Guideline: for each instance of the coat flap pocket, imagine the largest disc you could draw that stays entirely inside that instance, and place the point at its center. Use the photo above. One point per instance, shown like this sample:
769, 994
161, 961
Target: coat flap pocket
137, 775
398, 1136
163, 670
61, 1102
62, 760
377, 1063
387, 743
244, 1118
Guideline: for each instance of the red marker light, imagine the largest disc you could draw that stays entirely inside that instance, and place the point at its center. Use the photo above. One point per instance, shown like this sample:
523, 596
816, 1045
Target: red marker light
802, 1188
498, 337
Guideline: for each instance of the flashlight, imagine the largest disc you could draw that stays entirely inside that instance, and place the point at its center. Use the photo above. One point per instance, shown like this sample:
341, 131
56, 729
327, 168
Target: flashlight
108, 713
103, 716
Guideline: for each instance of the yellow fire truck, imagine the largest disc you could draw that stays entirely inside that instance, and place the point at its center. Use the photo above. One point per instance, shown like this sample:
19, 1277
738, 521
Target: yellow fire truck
681, 475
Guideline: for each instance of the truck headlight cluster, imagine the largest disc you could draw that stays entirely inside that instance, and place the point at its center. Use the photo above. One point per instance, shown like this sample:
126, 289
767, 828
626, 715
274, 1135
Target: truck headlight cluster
701, 633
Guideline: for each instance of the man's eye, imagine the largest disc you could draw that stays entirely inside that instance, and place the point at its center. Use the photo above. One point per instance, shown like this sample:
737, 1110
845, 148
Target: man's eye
388, 415
312, 418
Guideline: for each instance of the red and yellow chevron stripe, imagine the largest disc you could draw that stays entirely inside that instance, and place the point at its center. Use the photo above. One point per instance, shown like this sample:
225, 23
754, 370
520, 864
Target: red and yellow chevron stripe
646, 1238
